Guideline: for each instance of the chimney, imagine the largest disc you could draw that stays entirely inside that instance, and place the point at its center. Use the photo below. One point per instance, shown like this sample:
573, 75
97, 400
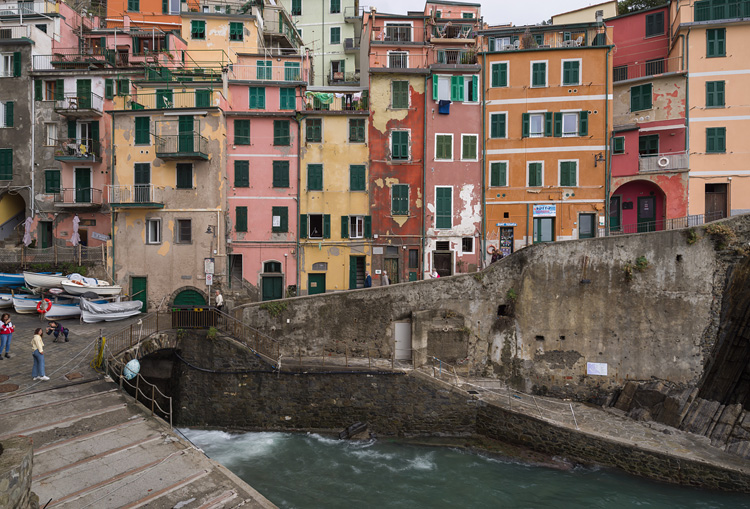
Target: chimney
599, 16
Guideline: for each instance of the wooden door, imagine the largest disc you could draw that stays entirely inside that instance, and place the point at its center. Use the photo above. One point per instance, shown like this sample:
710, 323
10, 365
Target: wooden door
142, 181
83, 91
272, 287
716, 201
185, 138
646, 214
138, 291
390, 265
316, 283
83, 185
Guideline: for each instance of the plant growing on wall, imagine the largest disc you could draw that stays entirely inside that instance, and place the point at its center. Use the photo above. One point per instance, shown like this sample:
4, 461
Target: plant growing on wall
274, 308
721, 234
211, 334
511, 295
640, 265
691, 236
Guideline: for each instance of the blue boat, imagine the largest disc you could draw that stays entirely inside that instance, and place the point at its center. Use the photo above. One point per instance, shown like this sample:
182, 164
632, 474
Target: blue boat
11, 280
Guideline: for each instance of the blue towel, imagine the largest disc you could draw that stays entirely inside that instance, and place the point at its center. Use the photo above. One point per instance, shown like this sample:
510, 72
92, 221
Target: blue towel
444, 107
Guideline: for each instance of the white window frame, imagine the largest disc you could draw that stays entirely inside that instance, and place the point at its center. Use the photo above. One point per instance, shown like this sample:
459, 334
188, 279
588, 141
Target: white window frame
476, 146
47, 138
507, 173
2, 114
309, 226
358, 225
390, 145
473, 245
388, 55
444, 78
156, 221
467, 80
528, 165
505, 42
436, 145
577, 115
6, 65
580, 72
435, 214
505, 134
507, 67
533, 114
559, 171
330, 36
546, 73
400, 24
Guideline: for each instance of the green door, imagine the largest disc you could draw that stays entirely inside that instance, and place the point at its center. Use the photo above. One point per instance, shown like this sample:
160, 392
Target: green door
189, 298
138, 288
646, 214
614, 214
142, 181
83, 185
83, 91
45, 234
356, 272
271, 287
316, 283
185, 139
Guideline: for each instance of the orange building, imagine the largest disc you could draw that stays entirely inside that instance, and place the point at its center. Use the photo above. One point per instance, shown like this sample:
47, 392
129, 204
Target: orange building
157, 14
547, 108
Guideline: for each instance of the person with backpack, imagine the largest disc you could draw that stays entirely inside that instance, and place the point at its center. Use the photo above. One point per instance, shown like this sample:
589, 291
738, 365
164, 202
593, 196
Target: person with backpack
57, 329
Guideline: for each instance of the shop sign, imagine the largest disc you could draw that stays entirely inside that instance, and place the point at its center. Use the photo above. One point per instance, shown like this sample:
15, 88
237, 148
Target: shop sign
545, 210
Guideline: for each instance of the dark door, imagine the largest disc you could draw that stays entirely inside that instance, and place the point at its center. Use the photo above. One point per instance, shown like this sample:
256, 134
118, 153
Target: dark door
189, 298
443, 263
716, 201
185, 138
45, 234
614, 214
235, 269
83, 91
646, 214
142, 181
271, 287
390, 265
316, 283
586, 226
356, 272
83, 185
138, 291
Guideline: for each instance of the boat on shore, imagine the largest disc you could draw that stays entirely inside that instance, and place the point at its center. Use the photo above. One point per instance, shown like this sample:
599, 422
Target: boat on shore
39, 280
25, 304
8, 280
93, 312
79, 287
6, 300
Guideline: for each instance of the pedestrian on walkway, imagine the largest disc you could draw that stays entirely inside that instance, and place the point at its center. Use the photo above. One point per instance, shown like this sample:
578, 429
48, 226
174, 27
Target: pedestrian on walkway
384, 281
219, 301
37, 346
6, 334
368, 280
57, 329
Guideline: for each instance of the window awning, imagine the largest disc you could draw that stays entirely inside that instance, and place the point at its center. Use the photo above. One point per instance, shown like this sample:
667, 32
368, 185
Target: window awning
662, 128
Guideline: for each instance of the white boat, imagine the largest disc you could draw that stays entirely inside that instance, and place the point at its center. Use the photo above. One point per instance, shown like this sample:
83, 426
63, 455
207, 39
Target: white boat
6, 300
60, 311
28, 304
80, 287
92, 312
44, 280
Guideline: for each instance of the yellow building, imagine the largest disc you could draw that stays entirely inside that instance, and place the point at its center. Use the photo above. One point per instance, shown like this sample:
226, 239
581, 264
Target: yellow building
335, 227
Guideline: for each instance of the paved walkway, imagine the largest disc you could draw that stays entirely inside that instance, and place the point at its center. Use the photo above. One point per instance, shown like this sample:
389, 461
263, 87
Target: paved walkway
94, 446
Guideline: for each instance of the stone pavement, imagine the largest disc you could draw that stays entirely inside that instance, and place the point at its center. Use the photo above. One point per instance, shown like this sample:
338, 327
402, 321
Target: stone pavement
93, 445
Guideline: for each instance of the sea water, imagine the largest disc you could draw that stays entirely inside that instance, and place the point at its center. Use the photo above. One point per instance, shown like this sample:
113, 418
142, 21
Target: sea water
313, 471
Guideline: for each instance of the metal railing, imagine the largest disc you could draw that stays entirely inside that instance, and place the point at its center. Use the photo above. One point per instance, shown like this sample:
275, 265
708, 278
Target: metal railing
343, 77
267, 73
648, 68
452, 31
346, 103
350, 44
398, 60
77, 149
274, 22
456, 56
133, 194
396, 34
74, 58
79, 196
73, 102
171, 99
15, 32
23, 8
351, 11
509, 41
185, 144
663, 162
709, 10
56, 254
665, 224
152, 397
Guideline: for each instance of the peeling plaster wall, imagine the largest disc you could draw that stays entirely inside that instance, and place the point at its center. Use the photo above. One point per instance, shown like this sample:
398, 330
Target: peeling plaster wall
669, 95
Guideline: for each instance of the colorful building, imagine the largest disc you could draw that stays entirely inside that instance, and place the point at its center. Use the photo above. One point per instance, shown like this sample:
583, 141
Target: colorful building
649, 188
547, 101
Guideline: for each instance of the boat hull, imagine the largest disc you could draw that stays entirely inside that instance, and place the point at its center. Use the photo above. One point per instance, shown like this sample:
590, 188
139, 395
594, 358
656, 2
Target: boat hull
43, 280
102, 290
6, 300
11, 280
61, 311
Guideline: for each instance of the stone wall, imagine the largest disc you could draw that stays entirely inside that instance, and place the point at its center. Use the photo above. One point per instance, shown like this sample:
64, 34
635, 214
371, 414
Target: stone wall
16, 460
537, 317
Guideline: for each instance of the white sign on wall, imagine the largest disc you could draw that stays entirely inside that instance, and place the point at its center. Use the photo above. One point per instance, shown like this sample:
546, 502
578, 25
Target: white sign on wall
545, 210
596, 368
209, 279
277, 221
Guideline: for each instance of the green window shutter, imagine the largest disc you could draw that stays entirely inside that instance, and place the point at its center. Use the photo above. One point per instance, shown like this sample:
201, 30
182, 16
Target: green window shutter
356, 130
202, 98
72, 128
281, 133
618, 145
434, 87
123, 87
499, 76
558, 125
567, 173
281, 174
525, 125
344, 227
539, 74
535, 174
399, 199
497, 125
469, 147
241, 222
184, 176
282, 214
715, 140
109, 88
495, 75
646, 96
327, 226
400, 94
715, 42
399, 145
303, 226
368, 227
52, 181
503, 75
59, 90
235, 31
9, 114
314, 177
257, 98
443, 147
286, 98
142, 128
549, 119
457, 88
95, 141
17, 64
571, 72
474, 88
38, 90
714, 93
583, 123
357, 177
242, 132
498, 174
6, 164
443, 207
313, 130
242, 174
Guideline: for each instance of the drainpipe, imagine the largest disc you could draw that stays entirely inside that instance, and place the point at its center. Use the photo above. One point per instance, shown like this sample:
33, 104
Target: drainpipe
112, 177
483, 174
608, 163
424, 177
527, 226
33, 149
299, 183
686, 58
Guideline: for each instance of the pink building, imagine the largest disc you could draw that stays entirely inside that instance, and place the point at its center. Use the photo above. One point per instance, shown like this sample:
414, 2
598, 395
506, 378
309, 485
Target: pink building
263, 167
649, 180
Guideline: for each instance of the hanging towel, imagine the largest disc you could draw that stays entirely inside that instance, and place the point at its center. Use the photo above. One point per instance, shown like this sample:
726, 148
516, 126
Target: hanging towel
444, 107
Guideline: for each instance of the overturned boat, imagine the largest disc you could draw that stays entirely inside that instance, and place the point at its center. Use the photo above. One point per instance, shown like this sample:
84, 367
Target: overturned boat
93, 312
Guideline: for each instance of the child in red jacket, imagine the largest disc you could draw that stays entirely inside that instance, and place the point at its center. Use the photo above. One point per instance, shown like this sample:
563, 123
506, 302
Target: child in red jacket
6, 334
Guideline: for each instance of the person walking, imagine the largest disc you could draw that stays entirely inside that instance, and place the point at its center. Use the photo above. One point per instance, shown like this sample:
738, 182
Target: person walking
37, 346
219, 301
384, 281
57, 329
368, 280
6, 334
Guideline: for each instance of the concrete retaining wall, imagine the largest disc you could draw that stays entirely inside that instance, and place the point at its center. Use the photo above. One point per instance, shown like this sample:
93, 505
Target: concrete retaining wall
16, 460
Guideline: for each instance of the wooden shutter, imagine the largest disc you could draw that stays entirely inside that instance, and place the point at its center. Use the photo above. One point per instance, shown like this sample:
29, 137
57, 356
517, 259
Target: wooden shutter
72, 129
583, 123
548, 123
109, 88
327, 226
241, 132
495, 75
525, 125
59, 90
17, 64
242, 174
368, 227
303, 226
38, 90
443, 207
558, 125
457, 88
434, 87
344, 227
241, 225
9, 114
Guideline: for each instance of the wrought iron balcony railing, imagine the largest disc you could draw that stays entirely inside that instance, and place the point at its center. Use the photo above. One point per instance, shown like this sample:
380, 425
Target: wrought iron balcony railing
663, 162
78, 197
136, 195
181, 146
74, 104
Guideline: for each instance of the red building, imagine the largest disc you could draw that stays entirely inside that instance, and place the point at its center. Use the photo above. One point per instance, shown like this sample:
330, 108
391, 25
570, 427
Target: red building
648, 185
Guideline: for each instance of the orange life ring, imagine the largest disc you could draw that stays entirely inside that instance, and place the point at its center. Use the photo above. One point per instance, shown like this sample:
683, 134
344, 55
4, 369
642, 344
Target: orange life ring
39, 306
491, 249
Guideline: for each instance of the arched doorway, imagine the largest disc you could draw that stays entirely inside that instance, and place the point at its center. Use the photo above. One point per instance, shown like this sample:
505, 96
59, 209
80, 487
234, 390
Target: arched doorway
637, 206
12, 214
189, 297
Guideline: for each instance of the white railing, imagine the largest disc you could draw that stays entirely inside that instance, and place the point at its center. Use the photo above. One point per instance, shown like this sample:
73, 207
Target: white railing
132, 194
663, 162
73, 102
23, 8
15, 32
267, 73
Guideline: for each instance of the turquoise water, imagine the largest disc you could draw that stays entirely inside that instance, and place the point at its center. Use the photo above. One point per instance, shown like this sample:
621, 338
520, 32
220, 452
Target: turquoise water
311, 471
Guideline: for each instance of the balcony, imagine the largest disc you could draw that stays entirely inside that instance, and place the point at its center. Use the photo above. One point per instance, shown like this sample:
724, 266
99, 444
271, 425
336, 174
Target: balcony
456, 57
510, 41
343, 78
398, 60
350, 102
80, 198
184, 146
170, 99
279, 26
395, 34
453, 33
28, 8
73, 58
351, 46
78, 150
182, 74
135, 196
268, 73
674, 161
87, 105
352, 13
710, 10
645, 69
15, 32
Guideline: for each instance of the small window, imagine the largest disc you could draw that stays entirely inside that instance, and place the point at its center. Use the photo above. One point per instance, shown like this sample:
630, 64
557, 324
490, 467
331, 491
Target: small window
499, 74
356, 130
287, 99
536, 125
257, 97
335, 6
315, 225
240, 224
467, 245
184, 231
264, 69
498, 125
443, 208
469, 147
50, 90
641, 97
335, 35
242, 132
281, 174
467, 15
716, 140
184, 176
153, 231
568, 173
716, 42
123, 87
356, 227
648, 145
50, 138
357, 177
296, 7
314, 130
134, 5
539, 74
241, 173
52, 181
281, 135
197, 29
655, 24
236, 31
569, 124
280, 219
571, 72
314, 177
413, 258
400, 199
142, 130
400, 145
535, 175
6, 164
714, 94
272, 267
400, 94
618, 145
444, 147
498, 174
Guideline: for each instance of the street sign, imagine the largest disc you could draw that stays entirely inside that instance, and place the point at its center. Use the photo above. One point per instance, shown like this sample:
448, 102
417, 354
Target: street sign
208, 265
209, 279
99, 236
